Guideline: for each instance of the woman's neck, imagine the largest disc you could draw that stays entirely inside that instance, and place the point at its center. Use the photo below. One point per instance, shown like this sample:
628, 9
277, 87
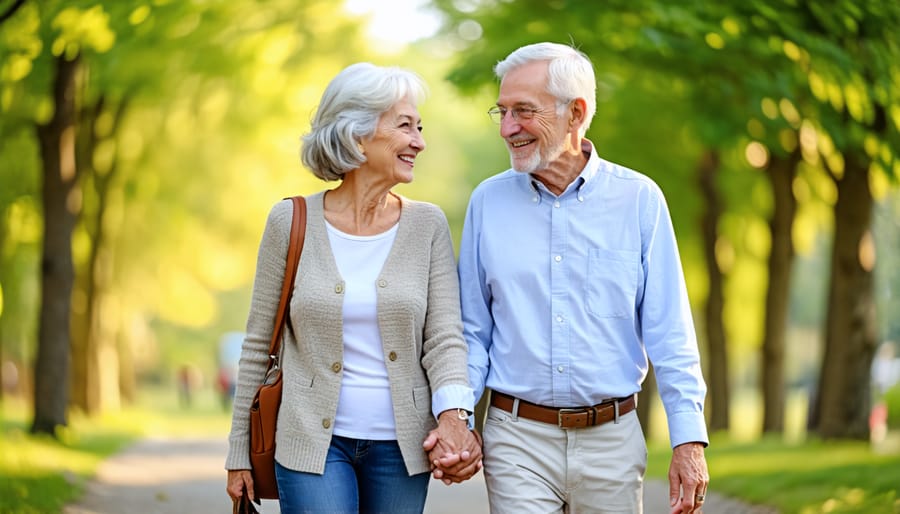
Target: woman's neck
361, 209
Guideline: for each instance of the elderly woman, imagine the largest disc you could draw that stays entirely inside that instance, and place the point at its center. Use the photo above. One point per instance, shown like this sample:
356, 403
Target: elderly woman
374, 359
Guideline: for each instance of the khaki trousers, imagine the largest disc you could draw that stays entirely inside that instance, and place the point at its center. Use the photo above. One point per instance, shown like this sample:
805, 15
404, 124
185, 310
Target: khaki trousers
534, 467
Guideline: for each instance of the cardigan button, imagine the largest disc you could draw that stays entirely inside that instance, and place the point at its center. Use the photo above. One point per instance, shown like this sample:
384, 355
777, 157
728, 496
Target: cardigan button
392, 356
326, 423
339, 288
336, 367
382, 283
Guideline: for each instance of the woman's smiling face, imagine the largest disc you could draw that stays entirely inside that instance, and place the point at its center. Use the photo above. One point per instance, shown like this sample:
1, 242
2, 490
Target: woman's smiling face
397, 140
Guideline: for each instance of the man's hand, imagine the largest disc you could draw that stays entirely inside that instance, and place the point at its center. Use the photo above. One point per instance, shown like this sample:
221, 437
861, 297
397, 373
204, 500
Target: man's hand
453, 450
688, 479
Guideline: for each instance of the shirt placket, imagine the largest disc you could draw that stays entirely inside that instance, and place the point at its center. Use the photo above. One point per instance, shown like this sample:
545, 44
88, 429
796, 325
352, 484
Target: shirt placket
560, 308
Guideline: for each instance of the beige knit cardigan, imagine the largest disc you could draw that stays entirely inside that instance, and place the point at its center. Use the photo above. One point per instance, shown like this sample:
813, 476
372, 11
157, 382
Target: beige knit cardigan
419, 319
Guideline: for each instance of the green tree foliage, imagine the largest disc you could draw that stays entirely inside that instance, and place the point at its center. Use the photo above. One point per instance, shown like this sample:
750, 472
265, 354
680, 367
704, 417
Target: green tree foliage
200, 80
801, 89
188, 122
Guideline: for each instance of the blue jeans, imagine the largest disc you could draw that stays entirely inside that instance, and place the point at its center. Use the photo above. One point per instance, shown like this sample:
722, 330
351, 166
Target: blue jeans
360, 477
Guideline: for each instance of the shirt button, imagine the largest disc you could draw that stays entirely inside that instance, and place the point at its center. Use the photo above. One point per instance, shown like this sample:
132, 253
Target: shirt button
326, 423
559, 318
534, 199
339, 288
336, 367
580, 198
560, 369
556, 204
557, 258
382, 283
392, 356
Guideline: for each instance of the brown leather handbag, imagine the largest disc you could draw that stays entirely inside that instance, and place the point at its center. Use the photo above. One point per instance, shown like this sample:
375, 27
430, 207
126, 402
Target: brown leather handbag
264, 409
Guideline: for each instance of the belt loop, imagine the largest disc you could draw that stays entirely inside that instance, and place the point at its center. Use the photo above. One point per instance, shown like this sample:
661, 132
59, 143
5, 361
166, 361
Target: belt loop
616, 407
515, 409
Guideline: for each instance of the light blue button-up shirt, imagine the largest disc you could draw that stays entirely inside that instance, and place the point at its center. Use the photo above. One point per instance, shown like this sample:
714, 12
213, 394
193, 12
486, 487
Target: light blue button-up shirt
565, 297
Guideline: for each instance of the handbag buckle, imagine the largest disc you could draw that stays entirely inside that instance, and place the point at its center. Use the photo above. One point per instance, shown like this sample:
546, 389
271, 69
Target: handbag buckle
273, 371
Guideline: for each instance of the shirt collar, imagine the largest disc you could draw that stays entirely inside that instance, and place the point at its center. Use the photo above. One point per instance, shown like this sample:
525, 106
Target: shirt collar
593, 165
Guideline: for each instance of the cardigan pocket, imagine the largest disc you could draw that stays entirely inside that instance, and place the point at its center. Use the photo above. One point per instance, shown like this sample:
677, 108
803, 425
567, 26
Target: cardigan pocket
422, 399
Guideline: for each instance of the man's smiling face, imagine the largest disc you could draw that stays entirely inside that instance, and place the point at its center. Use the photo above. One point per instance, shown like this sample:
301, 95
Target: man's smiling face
532, 143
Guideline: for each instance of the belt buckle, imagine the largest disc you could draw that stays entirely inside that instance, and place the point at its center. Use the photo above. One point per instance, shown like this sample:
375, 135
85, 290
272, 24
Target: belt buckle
588, 417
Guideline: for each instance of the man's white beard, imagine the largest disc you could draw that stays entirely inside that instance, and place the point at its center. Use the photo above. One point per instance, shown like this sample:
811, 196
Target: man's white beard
535, 162
532, 164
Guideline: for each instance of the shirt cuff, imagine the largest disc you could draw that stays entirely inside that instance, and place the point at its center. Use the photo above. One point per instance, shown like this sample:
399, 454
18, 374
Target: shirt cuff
687, 427
452, 397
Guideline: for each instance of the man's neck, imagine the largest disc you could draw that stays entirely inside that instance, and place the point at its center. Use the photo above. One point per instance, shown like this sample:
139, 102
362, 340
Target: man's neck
563, 170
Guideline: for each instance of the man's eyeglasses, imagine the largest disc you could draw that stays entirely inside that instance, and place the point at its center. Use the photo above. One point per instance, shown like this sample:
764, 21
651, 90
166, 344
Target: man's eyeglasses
518, 113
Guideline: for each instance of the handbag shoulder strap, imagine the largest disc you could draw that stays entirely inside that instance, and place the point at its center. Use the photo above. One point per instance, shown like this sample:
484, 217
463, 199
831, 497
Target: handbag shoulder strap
295, 248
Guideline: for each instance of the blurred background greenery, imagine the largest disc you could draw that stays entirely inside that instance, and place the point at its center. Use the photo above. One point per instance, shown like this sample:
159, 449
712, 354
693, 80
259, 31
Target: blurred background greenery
142, 143
184, 131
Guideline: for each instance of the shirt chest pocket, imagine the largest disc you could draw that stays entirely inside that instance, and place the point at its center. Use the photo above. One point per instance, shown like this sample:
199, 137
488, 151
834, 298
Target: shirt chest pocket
611, 285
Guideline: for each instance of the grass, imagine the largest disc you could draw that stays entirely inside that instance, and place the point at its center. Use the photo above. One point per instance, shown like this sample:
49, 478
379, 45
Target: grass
792, 473
40, 474
807, 478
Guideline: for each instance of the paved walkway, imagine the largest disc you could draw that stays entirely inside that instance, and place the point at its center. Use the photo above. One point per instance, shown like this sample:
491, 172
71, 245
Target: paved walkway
169, 476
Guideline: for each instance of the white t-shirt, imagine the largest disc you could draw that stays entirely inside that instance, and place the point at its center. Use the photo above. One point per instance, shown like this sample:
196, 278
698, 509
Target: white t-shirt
364, 408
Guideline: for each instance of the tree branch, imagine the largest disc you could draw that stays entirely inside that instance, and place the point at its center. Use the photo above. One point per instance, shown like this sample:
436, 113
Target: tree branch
11, 10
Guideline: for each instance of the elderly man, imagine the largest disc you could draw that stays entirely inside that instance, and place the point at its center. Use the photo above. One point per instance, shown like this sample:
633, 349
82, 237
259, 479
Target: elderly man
571, 280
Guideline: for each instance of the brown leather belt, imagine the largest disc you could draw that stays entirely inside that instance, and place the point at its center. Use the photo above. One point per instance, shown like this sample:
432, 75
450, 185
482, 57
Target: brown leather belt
578, 417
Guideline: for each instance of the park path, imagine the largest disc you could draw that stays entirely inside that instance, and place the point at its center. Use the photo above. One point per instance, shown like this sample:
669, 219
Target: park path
169, 476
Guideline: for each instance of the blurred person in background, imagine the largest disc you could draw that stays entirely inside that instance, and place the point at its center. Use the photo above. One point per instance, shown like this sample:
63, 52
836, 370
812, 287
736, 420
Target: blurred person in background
885, 375
570, 280
373, 358
885, 368
188, 379
228, 358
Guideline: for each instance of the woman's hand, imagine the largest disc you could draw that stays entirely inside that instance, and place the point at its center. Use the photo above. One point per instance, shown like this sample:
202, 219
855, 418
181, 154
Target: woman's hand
238, 480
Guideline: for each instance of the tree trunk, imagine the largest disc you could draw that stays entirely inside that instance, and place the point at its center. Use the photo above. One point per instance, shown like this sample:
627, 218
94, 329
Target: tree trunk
717, 366
781, 172
127, 373
80, 373
2, 298
57, 143
87, 334
105, 357
843, 402
2, 361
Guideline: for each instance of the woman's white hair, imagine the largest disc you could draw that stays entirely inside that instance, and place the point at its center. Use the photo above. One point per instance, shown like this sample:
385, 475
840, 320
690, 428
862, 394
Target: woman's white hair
349, 111
571, 74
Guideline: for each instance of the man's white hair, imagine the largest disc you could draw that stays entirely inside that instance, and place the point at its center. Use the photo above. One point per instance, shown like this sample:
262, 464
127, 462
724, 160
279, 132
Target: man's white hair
571, 74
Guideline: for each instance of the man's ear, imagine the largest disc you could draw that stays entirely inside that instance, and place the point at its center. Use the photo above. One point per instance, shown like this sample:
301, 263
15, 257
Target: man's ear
578, 112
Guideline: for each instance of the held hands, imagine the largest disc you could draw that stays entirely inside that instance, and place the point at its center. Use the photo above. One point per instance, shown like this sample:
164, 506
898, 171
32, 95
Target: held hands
453, 450
688, 479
